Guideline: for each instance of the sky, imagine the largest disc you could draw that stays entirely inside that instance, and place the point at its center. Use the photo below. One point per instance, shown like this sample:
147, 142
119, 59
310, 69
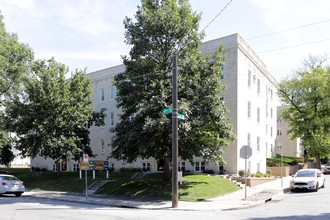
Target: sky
90, 33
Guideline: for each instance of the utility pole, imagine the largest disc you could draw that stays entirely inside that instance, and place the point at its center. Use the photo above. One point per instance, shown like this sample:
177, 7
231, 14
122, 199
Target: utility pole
175, 151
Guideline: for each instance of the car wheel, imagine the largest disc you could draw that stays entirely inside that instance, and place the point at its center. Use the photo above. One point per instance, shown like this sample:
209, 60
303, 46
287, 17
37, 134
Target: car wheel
293, 190
316, 188
323, 184
18, 194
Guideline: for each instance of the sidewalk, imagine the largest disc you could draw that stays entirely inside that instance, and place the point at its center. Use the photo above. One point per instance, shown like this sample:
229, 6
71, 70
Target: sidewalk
255, 196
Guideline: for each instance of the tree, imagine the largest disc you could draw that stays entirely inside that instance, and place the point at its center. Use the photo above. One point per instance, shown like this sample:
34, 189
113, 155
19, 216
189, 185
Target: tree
14, 67
7, 155
307, 95
50, 117
161, 29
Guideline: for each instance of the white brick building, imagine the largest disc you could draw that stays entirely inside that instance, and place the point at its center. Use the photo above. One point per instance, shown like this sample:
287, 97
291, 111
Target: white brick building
250, 96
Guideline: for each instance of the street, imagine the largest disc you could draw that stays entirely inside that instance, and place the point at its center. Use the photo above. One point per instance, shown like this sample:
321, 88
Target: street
297, 205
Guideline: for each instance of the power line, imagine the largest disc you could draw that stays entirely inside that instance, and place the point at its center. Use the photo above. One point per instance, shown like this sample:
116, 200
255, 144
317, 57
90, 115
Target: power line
216, 15
297, 45
289, 29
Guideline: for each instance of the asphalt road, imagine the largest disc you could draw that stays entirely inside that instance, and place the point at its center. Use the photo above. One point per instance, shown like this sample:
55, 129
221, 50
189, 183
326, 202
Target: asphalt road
292, 206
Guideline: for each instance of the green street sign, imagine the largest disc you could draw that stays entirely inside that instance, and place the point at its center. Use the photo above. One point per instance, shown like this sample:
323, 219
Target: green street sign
167, 111
181, 116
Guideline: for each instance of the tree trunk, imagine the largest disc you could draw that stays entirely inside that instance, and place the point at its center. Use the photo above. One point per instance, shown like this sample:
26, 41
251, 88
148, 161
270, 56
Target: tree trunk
318, 162
166, 174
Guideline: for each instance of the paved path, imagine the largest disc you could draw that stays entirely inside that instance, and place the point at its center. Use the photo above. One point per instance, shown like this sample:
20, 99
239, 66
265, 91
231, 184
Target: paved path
243, 198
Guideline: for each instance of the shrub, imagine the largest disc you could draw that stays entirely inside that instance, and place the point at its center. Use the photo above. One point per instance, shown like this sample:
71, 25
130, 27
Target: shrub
241, 173
252, 175
209, 171
259, 174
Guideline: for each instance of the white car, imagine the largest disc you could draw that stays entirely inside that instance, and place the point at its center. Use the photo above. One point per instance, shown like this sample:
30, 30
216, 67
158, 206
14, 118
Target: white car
310, 179
10, 184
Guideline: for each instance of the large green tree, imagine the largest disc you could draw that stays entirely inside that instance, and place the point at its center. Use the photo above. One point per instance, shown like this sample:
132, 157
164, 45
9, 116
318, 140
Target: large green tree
14, 67
159, 30
307, 94
51, 116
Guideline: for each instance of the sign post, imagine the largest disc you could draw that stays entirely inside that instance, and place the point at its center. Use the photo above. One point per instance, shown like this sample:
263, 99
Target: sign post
85, 160
246, 153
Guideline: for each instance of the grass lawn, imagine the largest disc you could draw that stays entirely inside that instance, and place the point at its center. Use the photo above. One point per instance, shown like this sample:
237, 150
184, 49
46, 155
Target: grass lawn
286, 160
194, 188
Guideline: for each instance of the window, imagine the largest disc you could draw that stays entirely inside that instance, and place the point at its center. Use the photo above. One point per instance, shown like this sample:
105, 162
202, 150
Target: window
249, 78
266, 129
182, 166
258, 86
258, 143
279, 119
249, 139
271, 112
112, 93
258, 115
271, 94
112, 119
266, 108
146, 166
249, 109
102, 147
279, 132
222, 71
199, 166
271, 131
110, 145
102, 94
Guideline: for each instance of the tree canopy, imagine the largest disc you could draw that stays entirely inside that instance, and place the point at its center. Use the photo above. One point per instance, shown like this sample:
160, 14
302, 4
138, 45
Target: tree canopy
51, 116
15, 58
159, 30
307, 95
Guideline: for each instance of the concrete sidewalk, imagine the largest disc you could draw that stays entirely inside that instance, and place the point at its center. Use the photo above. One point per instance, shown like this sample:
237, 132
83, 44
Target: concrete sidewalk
253, 196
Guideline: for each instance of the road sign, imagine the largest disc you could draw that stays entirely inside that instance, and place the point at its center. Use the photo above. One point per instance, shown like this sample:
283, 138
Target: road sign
84, 165
85, 157
167, 111
245, 152
98, 165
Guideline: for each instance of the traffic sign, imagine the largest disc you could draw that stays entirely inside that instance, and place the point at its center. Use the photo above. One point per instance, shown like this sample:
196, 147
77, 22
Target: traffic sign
84, 165
167, 111
246, 152
85, 157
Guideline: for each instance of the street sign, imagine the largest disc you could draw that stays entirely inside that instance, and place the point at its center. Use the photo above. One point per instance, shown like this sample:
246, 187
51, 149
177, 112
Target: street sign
85, 157
83, 165
98, 165
167, 111
245, 152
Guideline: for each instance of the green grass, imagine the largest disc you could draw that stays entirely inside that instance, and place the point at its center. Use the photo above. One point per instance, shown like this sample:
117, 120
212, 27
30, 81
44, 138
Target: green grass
276, 161
194, 188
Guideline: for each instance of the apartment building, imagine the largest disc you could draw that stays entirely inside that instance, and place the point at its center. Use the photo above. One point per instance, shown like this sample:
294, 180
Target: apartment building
250, 97
285, 144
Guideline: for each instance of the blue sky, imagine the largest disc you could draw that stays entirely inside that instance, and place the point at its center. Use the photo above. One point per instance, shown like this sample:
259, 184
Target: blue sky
90, 33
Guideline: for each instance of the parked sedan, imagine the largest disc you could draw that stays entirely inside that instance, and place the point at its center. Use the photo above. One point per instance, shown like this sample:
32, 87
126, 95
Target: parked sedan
10, 184
310, 179
326, 168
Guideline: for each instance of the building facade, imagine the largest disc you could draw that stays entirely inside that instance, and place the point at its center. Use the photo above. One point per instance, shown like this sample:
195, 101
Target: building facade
285, 145
250, 97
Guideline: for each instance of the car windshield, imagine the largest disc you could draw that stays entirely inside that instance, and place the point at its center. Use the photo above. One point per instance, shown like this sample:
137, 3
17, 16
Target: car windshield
9, 178
305, 173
